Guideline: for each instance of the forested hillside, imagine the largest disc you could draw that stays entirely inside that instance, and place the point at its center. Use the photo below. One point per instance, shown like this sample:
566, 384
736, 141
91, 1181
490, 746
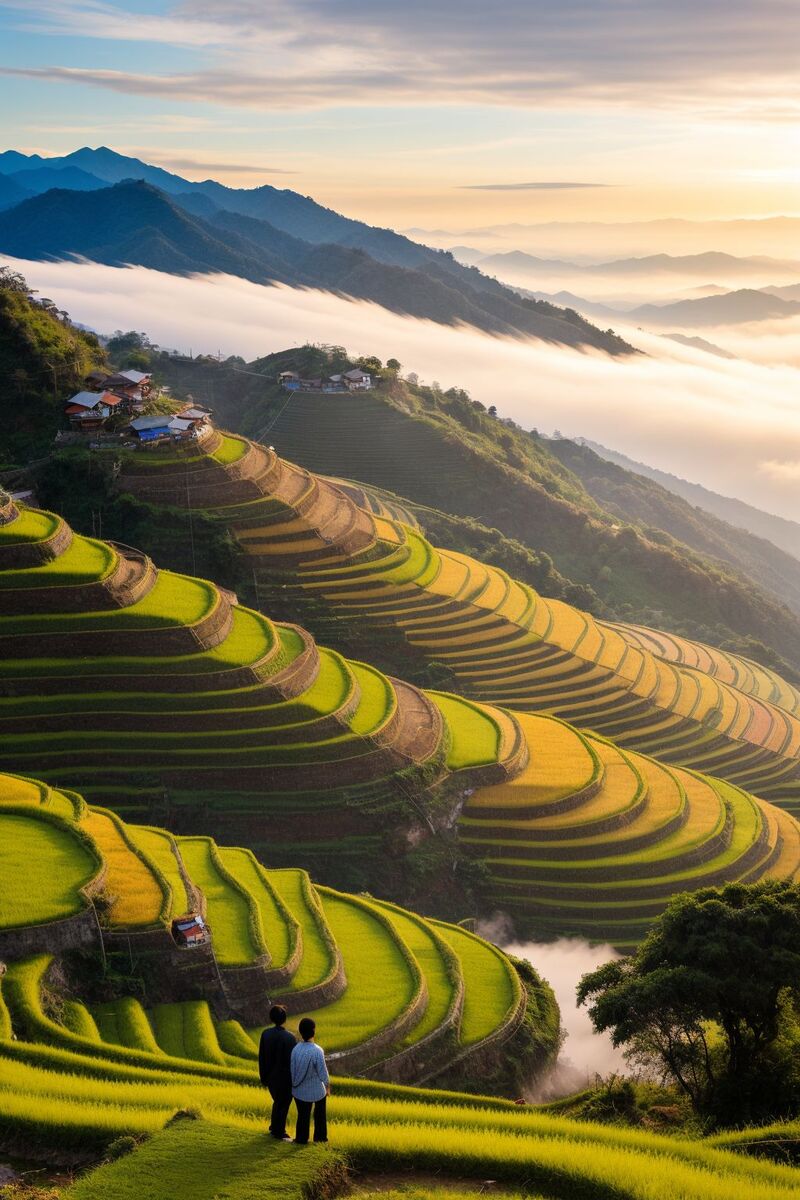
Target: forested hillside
782, 533
43, 360
649, 504
135, 222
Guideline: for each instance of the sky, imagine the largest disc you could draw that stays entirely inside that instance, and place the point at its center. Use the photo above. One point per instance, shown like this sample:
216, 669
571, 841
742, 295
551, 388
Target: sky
428, 113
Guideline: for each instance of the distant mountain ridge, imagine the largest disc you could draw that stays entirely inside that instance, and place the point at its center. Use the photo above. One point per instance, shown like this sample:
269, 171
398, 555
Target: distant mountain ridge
736, 307
709, 263
779, 530
262, 233
732, 308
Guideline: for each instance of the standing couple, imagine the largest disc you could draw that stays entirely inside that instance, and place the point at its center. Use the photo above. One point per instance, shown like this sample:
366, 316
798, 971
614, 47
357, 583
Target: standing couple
294, 1069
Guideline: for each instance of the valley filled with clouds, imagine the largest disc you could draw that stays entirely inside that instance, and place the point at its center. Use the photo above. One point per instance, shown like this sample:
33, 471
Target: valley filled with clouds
733, 425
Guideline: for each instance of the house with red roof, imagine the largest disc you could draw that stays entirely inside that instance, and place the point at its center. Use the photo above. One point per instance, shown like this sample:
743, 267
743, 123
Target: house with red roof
90, 410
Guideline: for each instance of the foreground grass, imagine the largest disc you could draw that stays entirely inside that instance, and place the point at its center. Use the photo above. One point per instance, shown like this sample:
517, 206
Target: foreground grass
382, 1130
205, 1162
412, 1192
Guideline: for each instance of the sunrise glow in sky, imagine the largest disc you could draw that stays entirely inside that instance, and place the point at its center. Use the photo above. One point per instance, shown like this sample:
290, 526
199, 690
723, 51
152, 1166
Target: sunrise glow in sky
437, 113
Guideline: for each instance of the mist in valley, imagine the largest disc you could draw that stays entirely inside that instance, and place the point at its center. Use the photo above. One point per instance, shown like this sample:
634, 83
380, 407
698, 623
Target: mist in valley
585, 1054
731, 425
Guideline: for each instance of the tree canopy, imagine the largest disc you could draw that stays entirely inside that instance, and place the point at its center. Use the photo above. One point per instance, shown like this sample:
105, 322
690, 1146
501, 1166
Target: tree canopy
708, 999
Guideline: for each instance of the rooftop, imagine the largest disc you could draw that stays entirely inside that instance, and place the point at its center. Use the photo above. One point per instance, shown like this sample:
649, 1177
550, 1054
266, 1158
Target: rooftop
159, 422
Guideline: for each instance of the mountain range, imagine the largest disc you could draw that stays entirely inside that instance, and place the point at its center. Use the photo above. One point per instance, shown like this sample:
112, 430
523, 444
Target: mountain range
738, 307
707, 305
621, 239
119, 210
712, 263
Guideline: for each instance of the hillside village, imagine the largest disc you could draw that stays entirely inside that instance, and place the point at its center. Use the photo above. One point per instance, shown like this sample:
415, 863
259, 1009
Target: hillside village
117, 405
354, 380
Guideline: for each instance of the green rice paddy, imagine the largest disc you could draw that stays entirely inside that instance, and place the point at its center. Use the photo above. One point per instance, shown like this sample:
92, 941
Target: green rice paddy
43, 868
228, 912
491, 988
475, 737
380, 983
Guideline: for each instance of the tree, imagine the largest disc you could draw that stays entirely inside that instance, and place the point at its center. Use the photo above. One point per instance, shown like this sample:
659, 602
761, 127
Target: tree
708, 999
12, 281
123, 343
492, 410
393, 364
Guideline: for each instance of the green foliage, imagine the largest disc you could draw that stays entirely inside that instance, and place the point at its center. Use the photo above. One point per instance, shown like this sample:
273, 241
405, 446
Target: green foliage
707, 998
43, 360
120, 345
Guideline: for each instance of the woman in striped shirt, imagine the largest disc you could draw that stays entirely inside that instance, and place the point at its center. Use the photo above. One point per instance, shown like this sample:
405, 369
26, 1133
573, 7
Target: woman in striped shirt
311, 1085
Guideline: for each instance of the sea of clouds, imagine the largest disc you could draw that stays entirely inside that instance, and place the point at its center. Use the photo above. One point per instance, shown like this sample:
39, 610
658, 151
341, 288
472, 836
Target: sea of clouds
731, 425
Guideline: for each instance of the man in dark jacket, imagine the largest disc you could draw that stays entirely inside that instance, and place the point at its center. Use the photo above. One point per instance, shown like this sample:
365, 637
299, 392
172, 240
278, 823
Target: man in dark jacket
274, 1056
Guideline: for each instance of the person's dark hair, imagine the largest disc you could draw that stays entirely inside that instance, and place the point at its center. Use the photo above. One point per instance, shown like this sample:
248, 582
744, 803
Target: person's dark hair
277, 1014
307, 1028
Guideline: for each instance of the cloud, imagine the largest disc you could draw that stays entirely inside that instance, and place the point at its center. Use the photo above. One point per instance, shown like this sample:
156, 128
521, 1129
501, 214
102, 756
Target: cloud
192, 164
789, 471
707, 419
728, 57
94, 19
545, 185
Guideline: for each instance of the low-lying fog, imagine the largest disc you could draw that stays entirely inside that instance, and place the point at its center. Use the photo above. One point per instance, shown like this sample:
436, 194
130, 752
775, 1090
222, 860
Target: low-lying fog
731, 425
585, 1053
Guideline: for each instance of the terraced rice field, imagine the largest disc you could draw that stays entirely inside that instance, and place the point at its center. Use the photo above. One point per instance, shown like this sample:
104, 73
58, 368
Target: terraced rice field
581, 834
44, 868
508, 646
376, 978
237, 938
382, 975
136, 896
157, 687
75, 1077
